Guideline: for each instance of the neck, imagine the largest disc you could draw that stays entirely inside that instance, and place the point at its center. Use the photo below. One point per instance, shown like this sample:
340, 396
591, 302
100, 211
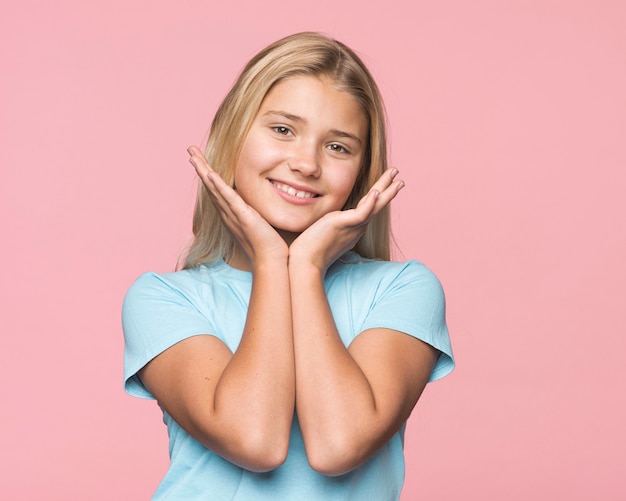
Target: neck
288, 237
239, 260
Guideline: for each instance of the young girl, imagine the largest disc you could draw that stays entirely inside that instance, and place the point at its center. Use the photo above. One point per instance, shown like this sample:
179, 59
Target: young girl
289, 352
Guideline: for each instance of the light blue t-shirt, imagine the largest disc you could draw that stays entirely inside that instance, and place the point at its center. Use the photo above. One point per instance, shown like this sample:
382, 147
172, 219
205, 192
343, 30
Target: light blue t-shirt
161, 310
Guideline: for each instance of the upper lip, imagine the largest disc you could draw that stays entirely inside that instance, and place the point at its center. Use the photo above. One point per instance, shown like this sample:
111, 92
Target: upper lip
295, 186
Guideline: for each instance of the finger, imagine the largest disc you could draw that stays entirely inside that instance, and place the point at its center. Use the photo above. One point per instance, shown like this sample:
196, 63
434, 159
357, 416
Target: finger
363, 211
211, 180
383, 198
385, 180
195, 151
201, 166
388, 195
213, 183
207, 177
206, 173
228, 200
388, 186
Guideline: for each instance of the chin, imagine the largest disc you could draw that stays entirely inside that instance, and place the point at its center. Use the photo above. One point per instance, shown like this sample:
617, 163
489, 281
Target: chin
289, 229
288, 226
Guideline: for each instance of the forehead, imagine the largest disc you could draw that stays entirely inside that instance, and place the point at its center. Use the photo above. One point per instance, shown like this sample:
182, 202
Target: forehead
316, 100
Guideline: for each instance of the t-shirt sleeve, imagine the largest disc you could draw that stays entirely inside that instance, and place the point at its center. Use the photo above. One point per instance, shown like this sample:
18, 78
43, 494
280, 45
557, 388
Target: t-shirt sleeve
413, 302
156, 314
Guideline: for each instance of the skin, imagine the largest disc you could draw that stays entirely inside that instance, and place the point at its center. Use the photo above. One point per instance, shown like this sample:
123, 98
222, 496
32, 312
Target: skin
310, 137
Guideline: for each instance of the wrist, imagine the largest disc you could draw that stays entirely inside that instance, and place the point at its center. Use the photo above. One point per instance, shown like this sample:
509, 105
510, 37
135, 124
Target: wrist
303, 269
274, 266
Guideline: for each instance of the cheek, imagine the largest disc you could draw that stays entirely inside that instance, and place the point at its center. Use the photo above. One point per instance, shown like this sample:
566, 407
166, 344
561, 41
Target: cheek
257, 154
250, 161
344, 183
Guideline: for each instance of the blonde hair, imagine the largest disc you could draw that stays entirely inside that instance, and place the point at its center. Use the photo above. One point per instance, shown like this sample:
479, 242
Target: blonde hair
296, 55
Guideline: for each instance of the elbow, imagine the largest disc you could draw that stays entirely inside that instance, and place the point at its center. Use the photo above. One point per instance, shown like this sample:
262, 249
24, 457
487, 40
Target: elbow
252, 448
329, 468
260, 453
264, 461
334, 458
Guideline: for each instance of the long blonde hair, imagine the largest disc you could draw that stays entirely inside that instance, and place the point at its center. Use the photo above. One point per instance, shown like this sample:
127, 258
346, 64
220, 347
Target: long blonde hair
300, 54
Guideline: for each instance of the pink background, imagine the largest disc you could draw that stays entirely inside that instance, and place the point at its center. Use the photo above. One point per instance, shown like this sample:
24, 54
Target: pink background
508, 123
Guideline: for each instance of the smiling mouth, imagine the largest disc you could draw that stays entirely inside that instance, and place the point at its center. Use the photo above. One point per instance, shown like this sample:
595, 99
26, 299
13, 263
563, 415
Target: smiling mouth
290, 190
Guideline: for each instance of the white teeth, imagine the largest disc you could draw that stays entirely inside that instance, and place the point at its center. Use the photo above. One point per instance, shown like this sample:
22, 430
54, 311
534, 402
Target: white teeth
293, 192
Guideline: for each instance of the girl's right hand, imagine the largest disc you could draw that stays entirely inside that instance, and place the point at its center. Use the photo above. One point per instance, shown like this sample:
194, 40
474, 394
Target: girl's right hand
256, 237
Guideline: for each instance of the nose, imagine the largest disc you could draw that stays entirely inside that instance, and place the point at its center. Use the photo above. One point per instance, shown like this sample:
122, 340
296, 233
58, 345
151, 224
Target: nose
305, 160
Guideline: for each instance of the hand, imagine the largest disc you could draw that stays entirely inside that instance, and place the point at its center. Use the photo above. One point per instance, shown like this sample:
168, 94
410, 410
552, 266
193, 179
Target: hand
255, 235
337, 232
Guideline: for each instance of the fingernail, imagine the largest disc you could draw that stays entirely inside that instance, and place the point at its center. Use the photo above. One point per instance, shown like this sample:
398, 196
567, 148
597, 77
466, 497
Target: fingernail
394, 172
400, 186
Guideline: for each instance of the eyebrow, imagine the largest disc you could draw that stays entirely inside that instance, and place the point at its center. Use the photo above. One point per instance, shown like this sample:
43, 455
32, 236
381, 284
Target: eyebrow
284, 114
342, 133
298, 118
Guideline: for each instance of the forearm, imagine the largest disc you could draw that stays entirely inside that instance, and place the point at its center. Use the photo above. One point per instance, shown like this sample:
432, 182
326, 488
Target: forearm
335, 402
255, 393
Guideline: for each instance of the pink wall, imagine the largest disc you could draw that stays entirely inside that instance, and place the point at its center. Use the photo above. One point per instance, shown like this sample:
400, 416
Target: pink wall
508, 123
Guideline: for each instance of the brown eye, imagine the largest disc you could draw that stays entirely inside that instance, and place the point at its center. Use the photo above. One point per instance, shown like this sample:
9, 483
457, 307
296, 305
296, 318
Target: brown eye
338, 148
282, 130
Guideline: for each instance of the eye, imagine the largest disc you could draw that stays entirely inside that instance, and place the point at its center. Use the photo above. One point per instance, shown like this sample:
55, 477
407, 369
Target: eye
337, 148
282, 130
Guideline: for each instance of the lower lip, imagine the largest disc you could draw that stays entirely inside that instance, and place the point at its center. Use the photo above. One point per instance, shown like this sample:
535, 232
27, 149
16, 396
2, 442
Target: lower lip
292, 199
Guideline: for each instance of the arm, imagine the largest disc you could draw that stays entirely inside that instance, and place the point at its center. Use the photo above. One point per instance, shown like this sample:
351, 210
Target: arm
240, 404
349, 401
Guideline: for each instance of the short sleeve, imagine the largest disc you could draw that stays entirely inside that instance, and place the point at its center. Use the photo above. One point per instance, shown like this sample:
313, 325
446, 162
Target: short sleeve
412, 301
156, 314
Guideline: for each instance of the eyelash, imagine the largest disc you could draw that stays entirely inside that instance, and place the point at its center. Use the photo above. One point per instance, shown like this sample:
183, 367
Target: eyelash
281, 129
284, 131
339, 149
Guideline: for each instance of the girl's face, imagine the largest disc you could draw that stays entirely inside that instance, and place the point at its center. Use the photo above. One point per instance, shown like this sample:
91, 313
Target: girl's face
303, 153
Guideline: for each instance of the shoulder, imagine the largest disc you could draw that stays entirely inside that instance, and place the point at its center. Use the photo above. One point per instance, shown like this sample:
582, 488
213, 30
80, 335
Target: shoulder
191, 284
367, 272
163, 283
170, 306
155, 298
403, 296
159, 310
160, 306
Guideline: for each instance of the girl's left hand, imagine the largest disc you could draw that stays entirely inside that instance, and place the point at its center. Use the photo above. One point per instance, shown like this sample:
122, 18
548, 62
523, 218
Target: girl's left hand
337, 232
